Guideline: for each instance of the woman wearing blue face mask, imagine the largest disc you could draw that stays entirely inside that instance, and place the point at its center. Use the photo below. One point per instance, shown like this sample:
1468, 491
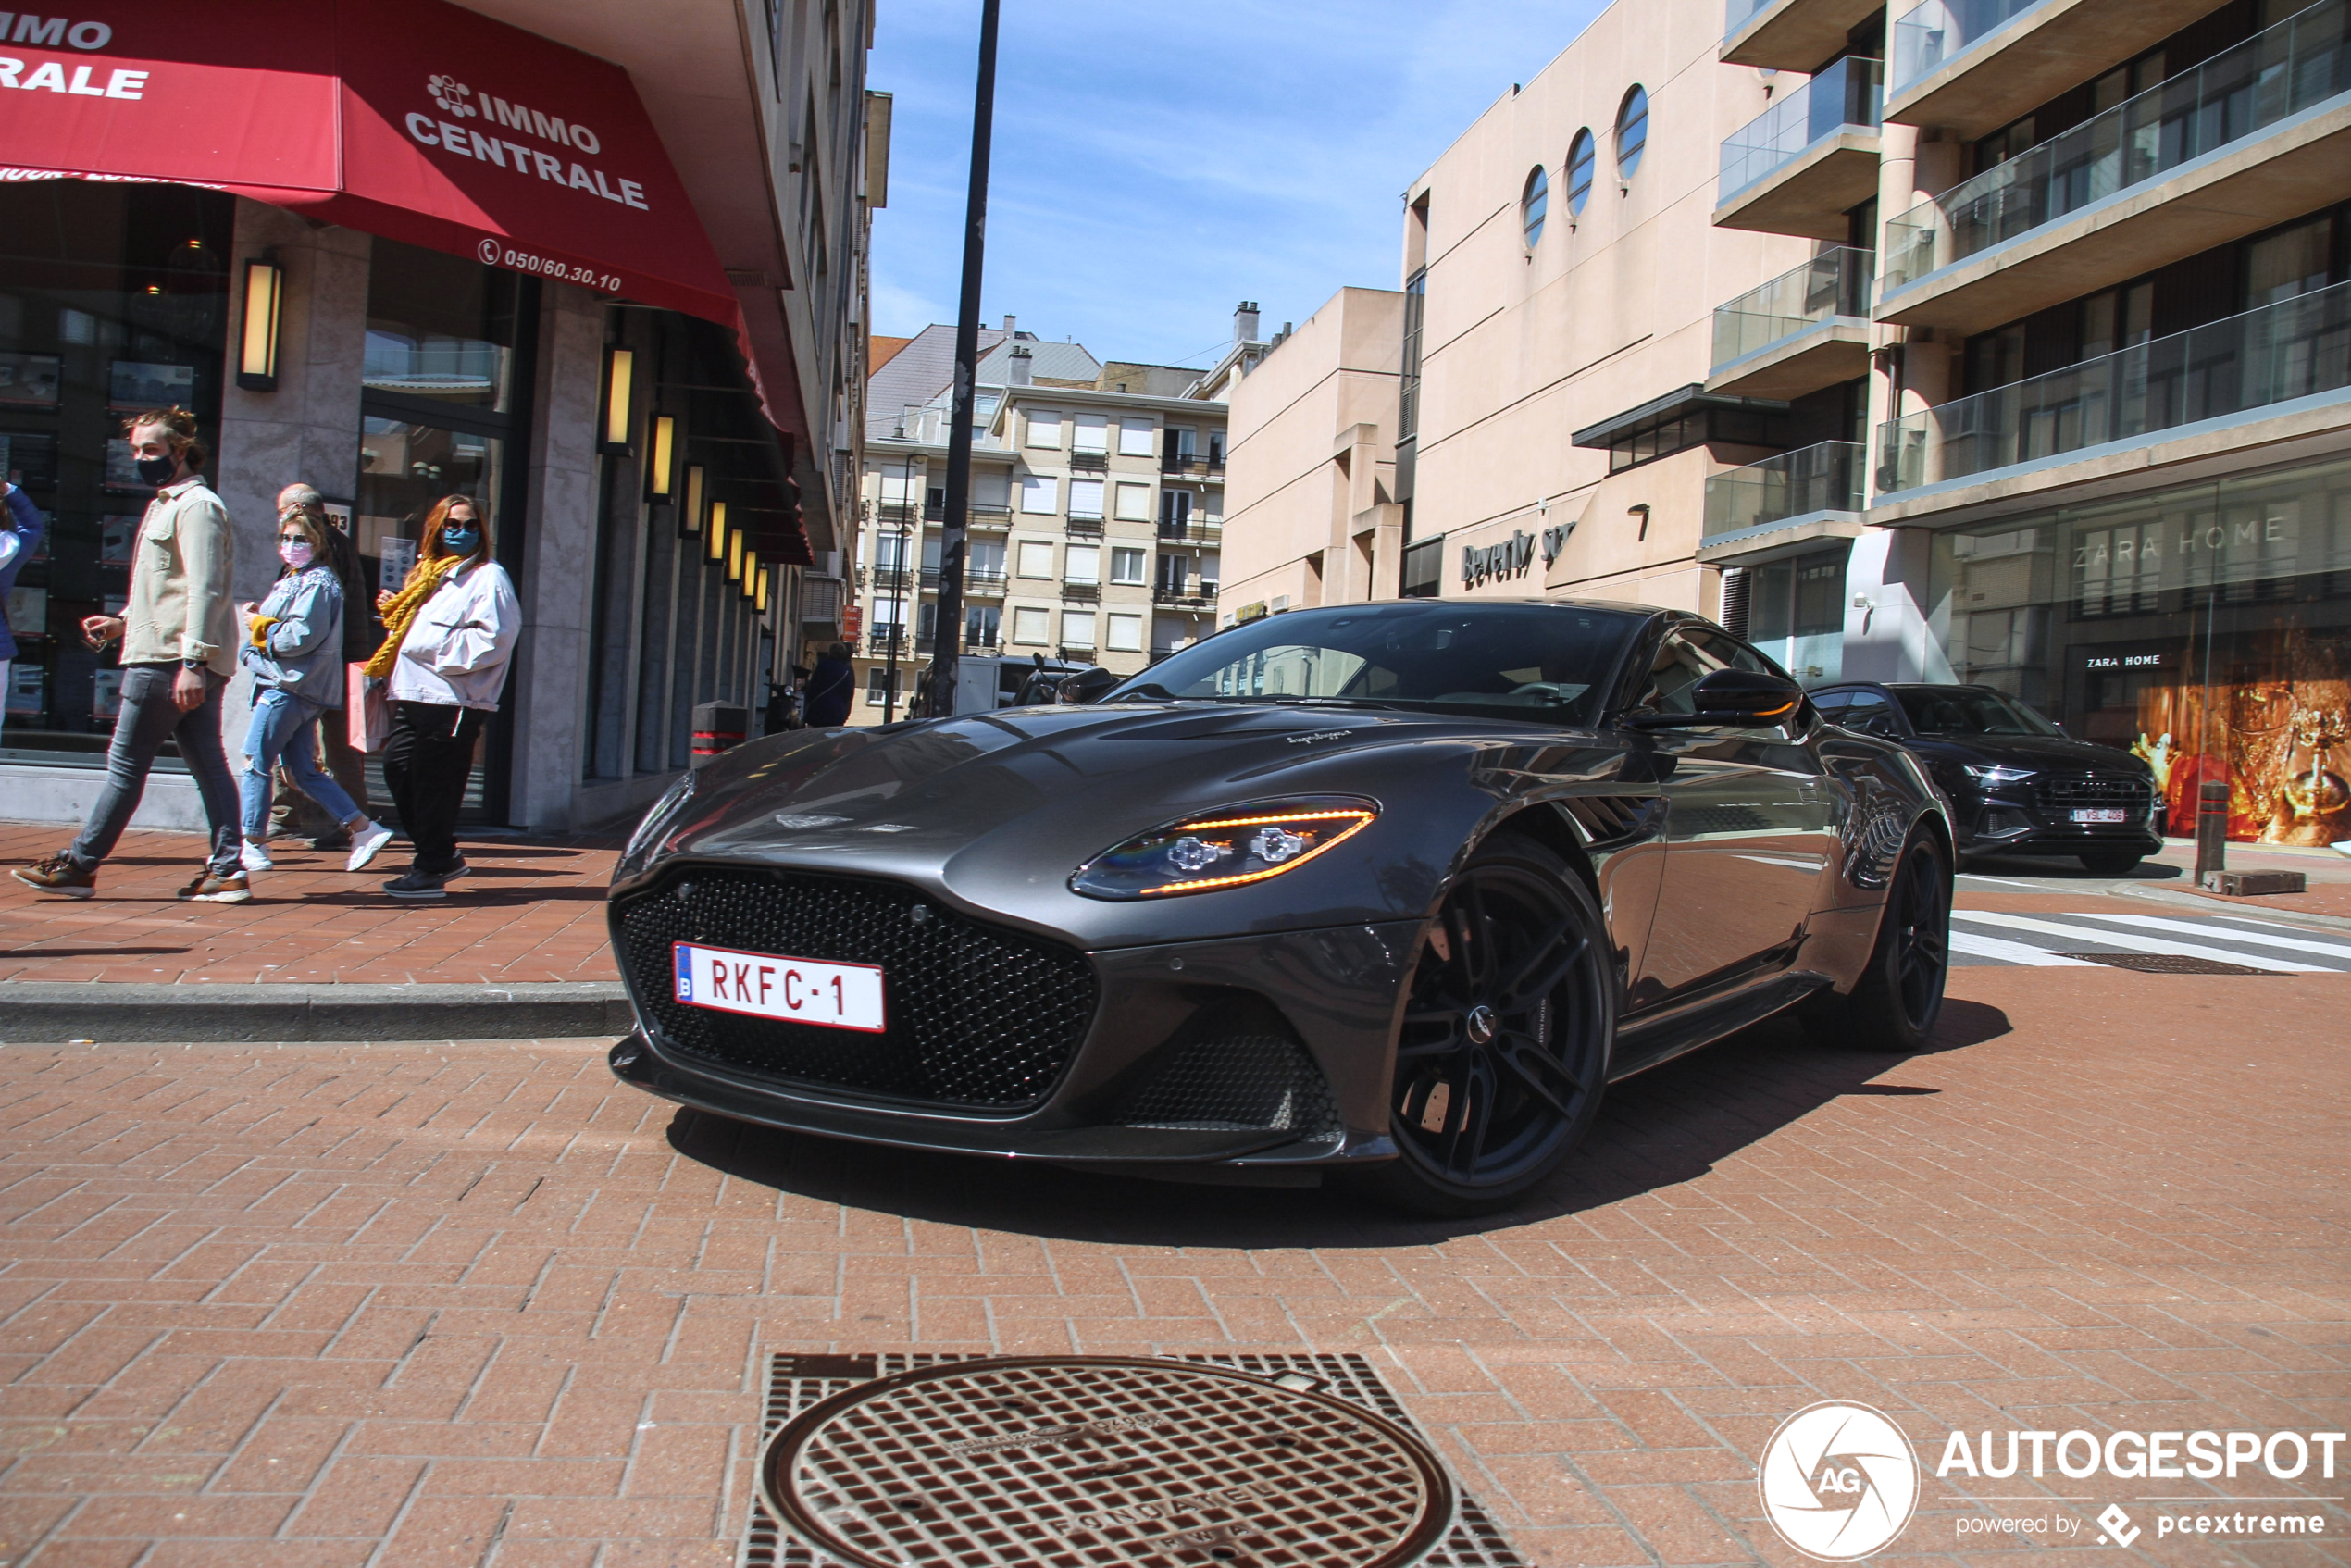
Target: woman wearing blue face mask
294, 646
449, 636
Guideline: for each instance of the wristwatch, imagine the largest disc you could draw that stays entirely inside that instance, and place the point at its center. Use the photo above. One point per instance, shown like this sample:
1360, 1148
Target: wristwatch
198, 664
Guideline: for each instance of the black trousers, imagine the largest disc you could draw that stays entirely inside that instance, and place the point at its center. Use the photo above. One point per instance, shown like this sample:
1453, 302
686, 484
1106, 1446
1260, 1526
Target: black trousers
426, 762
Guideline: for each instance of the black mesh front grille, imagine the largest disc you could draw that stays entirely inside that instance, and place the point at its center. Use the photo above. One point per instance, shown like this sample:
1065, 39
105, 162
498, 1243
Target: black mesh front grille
2060, 798
1240, 1070
977, 1014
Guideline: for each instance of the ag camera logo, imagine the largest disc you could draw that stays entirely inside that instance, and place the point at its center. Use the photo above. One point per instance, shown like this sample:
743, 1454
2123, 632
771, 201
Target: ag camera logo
1838, 1481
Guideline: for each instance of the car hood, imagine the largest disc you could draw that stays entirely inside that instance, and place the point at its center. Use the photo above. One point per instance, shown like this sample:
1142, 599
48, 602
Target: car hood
2042, 752
996, 811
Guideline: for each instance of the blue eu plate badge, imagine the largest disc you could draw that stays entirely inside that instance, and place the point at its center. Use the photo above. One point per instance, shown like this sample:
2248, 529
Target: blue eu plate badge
685, 972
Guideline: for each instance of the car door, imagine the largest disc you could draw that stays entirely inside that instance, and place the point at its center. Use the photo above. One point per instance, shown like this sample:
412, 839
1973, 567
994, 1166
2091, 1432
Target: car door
1748, 834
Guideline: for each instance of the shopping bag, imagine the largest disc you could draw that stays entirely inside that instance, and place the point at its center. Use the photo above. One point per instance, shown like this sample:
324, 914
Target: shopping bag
369, 710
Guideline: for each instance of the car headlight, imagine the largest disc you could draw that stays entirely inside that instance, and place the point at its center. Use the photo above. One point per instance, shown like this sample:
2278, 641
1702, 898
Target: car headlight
1224, 849
1992, 775
664, 809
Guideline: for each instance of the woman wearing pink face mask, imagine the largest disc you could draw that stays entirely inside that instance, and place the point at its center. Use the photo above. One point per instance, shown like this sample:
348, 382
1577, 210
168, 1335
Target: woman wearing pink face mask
294, 646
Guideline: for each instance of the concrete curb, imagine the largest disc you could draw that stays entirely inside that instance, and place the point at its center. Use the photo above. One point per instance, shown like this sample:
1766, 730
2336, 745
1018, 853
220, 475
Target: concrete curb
51, 1013
2179, 900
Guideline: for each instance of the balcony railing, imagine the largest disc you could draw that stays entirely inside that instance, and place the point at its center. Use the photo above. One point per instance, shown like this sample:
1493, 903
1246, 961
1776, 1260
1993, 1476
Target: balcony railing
2302, 61
1833, 283
1083, 591
1191, 463
880, 641
990, 584
1086, 528
1929, 34
2297, 347
1201, 598
1200, 530
1089, 459
1826, 477
1845, 93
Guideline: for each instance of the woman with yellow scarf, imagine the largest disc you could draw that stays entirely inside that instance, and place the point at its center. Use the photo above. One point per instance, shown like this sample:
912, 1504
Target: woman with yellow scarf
449, 639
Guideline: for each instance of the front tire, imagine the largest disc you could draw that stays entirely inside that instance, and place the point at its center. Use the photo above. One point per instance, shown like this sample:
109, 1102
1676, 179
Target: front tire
1900, 993
1503, 1053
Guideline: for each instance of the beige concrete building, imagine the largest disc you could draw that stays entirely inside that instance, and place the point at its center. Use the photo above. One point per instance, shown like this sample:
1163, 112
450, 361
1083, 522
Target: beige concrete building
1999, 341
1097, 510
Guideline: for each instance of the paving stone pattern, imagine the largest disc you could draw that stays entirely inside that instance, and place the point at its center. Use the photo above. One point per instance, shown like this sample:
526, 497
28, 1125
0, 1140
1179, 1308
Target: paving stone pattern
477, 1304
531, 912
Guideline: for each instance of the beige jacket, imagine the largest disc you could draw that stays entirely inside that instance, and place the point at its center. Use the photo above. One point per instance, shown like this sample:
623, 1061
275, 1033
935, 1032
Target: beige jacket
180, 583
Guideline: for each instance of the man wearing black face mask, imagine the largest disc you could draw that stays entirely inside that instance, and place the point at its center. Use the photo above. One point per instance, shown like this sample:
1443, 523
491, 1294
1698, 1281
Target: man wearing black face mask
178, 638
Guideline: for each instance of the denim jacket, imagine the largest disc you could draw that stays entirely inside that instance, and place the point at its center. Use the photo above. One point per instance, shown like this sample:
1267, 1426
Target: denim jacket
20, 537
301, 650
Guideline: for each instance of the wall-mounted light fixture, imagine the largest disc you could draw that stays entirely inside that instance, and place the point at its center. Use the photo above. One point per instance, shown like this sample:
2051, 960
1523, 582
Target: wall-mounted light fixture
258, 353
718, 530
735, 558
620, 384
690, 518
759, 601
1640, 509
751, 574
660, 476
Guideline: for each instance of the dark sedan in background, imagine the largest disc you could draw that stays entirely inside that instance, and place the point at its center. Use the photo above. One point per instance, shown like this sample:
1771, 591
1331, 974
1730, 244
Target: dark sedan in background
2019, 784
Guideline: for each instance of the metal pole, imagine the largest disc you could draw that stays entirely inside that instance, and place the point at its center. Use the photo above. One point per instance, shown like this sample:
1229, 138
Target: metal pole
950, 632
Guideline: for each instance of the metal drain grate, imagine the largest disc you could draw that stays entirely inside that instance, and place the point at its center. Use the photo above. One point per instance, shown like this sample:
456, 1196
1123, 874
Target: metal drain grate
876, 1475
2165, 964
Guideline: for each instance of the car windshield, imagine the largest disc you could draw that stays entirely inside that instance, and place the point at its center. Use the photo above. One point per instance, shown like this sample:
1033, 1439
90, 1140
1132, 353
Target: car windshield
1548, 664
1968, 710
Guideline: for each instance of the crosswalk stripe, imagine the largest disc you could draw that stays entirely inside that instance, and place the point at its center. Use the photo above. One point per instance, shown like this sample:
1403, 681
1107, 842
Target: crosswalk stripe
2155, 923
2131, 944
2013, 952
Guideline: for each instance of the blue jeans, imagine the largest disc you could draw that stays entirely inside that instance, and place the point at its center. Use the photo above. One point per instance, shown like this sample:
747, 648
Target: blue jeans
285, 729
147, 719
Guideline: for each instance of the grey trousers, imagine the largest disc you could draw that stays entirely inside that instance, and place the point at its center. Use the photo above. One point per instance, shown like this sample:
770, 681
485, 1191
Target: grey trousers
148, 718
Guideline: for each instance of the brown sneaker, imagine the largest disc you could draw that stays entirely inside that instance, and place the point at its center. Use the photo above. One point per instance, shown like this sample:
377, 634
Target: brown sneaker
209, 889
58, 874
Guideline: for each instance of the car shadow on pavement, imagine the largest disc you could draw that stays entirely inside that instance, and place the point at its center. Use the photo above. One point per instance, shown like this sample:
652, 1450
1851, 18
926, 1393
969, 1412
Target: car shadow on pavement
1669, 1125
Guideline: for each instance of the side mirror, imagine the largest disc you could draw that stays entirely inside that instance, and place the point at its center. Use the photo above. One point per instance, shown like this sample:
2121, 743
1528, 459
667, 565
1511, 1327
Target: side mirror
1729, 699
1086, 686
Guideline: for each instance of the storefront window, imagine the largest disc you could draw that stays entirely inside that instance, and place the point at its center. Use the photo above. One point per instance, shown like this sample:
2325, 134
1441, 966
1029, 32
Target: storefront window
1796, 613
2207, 628
115, 300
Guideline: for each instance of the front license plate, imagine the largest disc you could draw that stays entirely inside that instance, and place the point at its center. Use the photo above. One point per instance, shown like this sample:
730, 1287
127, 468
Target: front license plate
2099, 814
802, 991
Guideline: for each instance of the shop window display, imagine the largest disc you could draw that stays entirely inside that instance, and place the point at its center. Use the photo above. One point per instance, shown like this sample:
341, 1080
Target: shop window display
114, 299
2207, 628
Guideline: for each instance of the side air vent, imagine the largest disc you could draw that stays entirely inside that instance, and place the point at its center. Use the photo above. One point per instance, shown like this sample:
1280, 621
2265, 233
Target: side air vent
1606, 817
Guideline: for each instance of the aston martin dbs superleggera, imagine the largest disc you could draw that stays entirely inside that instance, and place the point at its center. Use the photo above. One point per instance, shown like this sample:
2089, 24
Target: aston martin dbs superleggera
1390, 890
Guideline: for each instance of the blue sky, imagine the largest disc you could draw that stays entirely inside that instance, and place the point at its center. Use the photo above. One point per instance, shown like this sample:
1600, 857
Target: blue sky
1154, 164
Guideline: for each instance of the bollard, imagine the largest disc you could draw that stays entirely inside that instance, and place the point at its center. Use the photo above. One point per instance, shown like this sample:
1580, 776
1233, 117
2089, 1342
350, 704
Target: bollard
2211, 829
719, 725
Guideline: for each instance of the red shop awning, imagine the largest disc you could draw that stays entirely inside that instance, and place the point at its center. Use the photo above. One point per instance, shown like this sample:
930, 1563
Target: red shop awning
414, 119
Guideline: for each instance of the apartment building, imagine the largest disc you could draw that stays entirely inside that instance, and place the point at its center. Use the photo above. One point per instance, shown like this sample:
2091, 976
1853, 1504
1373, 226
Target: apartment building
2001, 341
1096, 512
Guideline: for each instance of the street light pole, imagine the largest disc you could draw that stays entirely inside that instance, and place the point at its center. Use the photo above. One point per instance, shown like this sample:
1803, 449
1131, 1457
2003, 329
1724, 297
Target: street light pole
949, 633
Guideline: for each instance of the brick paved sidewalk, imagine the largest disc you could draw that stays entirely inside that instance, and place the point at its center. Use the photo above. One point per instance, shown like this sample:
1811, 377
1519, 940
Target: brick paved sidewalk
532, 911
477, 1305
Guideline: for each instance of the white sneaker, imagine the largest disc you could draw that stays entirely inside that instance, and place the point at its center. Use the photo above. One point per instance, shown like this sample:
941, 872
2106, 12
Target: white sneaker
256, 858
365, 843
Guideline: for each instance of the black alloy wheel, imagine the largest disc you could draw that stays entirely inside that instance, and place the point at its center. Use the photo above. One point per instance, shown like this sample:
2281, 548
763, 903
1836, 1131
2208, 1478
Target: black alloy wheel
1900, 993
1503, 1053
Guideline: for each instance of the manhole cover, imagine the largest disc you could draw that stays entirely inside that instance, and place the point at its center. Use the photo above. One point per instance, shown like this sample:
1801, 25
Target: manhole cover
2165, 964
1076, 1462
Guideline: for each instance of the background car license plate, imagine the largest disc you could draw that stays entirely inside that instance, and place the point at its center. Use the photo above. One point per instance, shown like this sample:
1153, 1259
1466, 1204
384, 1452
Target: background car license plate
2099, 814
765, 985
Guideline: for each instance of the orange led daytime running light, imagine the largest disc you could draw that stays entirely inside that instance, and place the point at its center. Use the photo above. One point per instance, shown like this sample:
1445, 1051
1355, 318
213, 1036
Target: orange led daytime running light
1261, 821
1775, 713
1363, 820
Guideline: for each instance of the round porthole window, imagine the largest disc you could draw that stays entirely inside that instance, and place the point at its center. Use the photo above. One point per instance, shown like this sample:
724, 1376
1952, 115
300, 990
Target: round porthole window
1582, 153
1534, 203
1632, 131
